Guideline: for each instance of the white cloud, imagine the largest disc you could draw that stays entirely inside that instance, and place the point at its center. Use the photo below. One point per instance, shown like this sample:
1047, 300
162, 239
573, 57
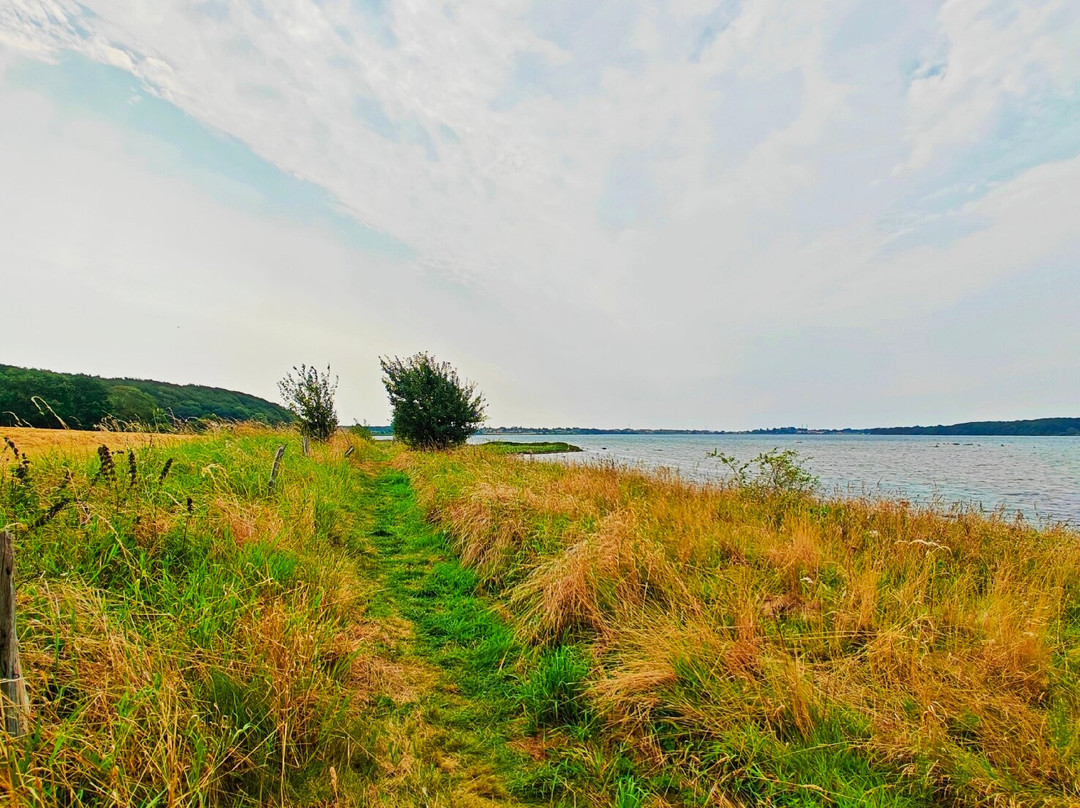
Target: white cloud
628, 200
998, 53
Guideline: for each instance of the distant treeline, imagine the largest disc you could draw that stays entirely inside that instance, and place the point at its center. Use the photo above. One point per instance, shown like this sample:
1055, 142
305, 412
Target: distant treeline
1044, 427
1037, 427
588, 430
43, 398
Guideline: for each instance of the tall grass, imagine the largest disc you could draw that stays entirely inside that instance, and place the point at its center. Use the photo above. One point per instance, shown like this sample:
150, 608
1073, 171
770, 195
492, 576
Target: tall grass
756, 645
188, 639
192, 638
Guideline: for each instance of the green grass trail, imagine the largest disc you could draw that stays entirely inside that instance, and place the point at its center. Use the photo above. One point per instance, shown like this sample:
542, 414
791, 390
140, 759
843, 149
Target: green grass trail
496, 724
458, 733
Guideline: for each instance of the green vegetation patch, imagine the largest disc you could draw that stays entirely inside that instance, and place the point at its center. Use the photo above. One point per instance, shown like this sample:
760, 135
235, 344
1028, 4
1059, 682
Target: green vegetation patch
540, 447
473, 712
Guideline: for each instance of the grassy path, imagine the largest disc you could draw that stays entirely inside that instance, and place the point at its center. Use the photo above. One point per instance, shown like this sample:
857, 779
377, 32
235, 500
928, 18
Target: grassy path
453, 743
192, 636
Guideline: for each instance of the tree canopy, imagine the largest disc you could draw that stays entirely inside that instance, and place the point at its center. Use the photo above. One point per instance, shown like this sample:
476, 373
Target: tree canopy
433, 408
309, 395
41, 398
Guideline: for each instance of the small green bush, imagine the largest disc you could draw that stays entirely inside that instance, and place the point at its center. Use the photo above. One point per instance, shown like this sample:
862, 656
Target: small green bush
775, 471
360, 431
309, 395
433, 408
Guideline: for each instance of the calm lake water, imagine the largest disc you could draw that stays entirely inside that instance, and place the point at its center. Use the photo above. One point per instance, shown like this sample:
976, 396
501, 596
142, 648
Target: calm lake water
1040, 477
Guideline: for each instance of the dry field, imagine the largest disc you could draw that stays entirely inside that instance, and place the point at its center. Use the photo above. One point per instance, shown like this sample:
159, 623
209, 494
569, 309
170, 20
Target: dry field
36, 442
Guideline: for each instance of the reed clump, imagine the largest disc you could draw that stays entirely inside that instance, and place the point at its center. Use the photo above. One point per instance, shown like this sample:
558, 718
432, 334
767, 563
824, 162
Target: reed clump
759, 644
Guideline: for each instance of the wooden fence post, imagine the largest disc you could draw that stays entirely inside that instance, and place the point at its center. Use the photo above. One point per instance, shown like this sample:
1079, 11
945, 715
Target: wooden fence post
14, 703
307, 447
274, 469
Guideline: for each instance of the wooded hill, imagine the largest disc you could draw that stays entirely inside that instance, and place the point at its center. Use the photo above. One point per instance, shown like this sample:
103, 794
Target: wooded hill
43, 398
1036, 427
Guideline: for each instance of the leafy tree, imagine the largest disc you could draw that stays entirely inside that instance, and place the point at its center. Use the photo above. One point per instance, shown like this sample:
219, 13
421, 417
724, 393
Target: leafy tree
310, 396
89, 400
133, 405
433, 408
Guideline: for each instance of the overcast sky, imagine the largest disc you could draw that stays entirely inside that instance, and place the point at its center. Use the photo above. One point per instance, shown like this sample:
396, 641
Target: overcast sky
659, 213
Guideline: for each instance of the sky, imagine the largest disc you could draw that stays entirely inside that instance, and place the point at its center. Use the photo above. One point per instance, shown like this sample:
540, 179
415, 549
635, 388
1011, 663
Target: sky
662, 213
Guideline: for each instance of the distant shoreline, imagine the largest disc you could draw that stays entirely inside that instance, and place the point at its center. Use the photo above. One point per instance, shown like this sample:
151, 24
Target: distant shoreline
1037, 427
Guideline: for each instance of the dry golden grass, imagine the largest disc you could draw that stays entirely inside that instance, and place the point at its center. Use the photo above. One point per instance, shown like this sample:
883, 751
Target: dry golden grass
939, 648
185, 636
78, 443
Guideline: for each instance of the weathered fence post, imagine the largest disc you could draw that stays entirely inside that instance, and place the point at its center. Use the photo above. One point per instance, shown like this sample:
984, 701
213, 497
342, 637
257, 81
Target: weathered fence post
307, 447
14, 703
274, 469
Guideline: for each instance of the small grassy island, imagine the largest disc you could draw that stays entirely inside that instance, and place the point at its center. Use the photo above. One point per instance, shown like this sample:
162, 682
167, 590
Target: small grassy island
521, 448
375, 626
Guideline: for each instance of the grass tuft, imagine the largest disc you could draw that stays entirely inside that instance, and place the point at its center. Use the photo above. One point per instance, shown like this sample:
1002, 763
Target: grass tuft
554, 694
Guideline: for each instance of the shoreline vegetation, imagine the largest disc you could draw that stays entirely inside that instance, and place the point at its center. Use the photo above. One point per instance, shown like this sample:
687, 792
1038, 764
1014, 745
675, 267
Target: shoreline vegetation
380, 626
47, 399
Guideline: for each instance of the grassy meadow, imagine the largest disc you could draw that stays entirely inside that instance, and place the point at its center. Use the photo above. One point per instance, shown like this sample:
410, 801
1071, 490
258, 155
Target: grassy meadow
753, 645
469, 629
507, 447
190, 636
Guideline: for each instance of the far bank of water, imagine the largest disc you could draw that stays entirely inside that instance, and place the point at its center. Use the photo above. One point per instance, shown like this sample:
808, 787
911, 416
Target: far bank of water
1039, 477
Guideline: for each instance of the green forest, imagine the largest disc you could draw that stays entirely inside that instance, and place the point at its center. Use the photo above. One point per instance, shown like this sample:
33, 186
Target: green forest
1036, 427
43, 398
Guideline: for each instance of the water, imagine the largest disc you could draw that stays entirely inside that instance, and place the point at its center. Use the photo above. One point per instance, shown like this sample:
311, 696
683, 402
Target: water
1039, 477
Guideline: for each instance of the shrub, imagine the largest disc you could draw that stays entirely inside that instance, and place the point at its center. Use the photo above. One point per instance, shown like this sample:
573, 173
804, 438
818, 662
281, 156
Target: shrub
361, 431
776, 471
310, 396
433, 408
